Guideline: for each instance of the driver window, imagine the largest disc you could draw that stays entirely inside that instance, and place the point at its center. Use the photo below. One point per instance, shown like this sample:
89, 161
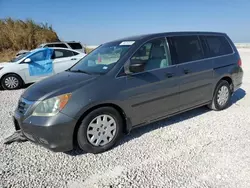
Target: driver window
39, 56
153, 55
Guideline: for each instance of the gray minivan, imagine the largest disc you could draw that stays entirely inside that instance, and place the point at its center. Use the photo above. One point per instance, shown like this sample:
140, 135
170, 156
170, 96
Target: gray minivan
128, 83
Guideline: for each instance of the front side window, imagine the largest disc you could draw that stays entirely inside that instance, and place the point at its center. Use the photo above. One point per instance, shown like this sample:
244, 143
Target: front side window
218, 45
187, 48
153, 55
103, 58
39, 56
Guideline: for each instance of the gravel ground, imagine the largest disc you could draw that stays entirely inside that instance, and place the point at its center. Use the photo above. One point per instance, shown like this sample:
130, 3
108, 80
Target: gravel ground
200, 148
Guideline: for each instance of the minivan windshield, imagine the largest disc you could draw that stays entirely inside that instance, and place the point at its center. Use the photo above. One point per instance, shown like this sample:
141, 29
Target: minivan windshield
102, 59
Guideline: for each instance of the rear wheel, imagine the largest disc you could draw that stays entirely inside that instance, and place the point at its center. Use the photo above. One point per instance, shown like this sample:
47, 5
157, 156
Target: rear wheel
100, 130
11, 82
221, 96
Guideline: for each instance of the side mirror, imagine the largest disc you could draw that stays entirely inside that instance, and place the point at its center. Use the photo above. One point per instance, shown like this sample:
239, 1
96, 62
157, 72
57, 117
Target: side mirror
137, 67
27, 60
134, 66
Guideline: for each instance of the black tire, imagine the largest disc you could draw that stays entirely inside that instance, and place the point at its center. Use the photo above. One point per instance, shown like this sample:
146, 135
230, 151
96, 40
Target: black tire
214, 105
14, 77
82, 138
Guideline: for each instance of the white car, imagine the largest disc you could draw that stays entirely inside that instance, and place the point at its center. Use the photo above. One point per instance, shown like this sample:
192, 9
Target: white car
70, 44
36, 65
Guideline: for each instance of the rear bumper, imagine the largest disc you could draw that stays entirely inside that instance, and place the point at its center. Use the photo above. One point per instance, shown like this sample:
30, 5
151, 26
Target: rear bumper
54, 133
236, 87
237, 79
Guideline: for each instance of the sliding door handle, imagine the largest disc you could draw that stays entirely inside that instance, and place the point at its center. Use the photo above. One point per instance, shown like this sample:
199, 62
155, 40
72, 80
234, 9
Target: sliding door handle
186, 71
169, 75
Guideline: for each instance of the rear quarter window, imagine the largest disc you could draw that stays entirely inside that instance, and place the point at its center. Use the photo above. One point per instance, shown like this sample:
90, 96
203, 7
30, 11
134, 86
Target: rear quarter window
75, 53
218, 45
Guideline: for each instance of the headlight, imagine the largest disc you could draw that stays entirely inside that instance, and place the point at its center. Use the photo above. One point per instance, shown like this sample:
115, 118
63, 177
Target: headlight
52, 106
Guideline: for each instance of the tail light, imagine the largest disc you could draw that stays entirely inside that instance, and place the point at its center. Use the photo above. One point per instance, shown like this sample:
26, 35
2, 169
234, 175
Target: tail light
240, 63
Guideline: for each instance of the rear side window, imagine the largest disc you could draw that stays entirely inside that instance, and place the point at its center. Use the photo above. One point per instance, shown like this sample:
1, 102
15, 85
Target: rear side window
187, 48
60, 45
218, 46
204, 46
75, 46
58, 53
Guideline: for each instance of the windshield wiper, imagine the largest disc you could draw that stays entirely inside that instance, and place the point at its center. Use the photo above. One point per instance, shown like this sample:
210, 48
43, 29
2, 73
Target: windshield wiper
78, 70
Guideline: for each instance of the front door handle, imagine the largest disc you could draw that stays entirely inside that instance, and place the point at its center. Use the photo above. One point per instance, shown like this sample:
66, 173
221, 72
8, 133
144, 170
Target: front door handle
169, 75
73, 59
186, 71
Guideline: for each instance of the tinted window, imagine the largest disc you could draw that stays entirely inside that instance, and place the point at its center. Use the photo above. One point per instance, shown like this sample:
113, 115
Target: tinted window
187, 48
49, 45
75, 46
60, 45
204, 46
153, 55
58, 53
218, 45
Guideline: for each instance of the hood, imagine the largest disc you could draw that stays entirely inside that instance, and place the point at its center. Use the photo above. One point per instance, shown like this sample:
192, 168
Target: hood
61, 83
7, 64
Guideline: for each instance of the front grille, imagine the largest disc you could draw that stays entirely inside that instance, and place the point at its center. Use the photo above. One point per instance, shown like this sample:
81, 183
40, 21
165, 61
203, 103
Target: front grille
23, 106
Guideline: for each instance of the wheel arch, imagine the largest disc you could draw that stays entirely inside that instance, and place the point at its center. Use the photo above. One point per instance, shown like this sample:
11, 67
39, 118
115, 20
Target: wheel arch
213, 104
5, 74
229, 80
126, 121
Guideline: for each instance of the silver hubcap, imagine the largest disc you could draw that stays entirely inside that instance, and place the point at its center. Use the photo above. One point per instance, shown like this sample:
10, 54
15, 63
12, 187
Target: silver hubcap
101, 130
223, 95
11, 82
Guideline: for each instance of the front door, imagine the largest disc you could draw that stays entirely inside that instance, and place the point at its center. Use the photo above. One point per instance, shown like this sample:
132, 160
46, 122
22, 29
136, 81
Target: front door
40, 65
154, 92
196, 72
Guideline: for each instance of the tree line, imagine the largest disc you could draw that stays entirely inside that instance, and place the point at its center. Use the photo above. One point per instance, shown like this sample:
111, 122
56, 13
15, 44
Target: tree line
18, 34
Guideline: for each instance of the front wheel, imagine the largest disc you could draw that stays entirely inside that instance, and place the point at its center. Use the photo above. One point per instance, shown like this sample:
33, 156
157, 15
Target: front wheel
221, 96
100, 130
11, 82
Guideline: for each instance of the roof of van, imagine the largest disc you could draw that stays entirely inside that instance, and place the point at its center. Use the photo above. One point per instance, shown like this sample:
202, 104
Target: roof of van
145, 36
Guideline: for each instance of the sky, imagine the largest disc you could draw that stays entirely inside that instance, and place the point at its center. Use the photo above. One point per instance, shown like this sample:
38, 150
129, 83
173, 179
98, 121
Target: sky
94, 22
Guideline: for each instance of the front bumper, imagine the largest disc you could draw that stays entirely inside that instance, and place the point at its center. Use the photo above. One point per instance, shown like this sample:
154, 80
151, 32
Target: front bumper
54, 133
